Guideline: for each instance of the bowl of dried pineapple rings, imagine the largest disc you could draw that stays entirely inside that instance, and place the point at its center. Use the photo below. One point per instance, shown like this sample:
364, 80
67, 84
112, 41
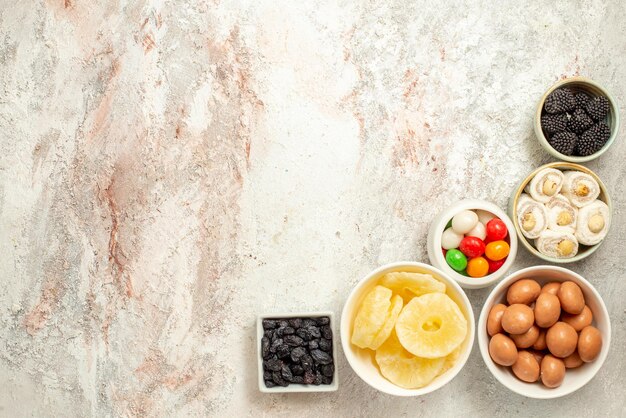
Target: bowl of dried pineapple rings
407, 329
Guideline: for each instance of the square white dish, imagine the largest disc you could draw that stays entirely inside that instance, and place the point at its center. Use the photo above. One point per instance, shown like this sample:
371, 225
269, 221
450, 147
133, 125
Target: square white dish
295, 387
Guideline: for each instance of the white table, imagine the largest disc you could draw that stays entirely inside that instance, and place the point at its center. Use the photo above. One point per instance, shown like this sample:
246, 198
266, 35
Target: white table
169, 171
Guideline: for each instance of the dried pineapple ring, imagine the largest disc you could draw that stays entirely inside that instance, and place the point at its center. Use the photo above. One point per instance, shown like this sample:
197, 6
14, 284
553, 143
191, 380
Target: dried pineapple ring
371, 317
390, 322
450, 359
431, 326
403, 368
409, 285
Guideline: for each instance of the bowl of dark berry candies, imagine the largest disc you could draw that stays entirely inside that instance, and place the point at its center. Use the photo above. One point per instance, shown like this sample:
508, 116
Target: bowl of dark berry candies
297, 352
576, 120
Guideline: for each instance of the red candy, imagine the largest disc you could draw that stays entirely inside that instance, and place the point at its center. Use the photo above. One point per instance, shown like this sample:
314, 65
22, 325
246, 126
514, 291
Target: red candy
496, 230
472, 247
495, 265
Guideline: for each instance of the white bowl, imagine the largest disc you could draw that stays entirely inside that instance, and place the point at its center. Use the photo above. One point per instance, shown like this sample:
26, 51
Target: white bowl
574, 378
438, 225
295, 387
362, 361
584, 251
593, 89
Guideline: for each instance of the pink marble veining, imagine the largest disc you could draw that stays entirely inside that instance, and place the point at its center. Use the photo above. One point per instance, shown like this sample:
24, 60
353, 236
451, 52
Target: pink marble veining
169, 170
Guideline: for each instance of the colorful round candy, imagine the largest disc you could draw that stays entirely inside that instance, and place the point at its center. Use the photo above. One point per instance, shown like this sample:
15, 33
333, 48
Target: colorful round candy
472, 246
450, 239
496, 230
477, 267
495, 265
497, 250
464, 221
475, 243
456, 259
484, 216
478, 231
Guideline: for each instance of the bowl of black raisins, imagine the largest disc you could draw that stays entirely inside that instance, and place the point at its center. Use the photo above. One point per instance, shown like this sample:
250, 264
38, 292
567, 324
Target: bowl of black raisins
576, 120
297, 352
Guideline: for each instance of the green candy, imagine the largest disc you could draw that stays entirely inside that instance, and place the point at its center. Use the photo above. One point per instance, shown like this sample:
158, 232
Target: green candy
456, 259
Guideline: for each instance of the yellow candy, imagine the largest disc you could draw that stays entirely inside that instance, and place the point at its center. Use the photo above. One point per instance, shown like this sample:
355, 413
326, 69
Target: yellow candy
497, 250
477, 267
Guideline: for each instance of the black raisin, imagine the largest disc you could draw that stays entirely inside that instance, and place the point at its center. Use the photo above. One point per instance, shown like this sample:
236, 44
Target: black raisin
297, 353
278, 379
303, 333
299, 379
315, 331
318, 379
282, 323
269, 384
327, 380
309, 377
313, 344
286, 373
293, 340
327, 332
265, 347
321, 357
325, 345
289, 331
267, 375
327, 369
307, 322
280, 332
297, 369
275, 344
269, 323
269, 334
295, 322
307, 362
283, 350
324, 320
273, 364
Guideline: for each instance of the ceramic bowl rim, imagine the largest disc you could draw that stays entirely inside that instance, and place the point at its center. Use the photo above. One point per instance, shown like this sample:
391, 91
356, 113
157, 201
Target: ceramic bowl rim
345, 331
604, 196
444, 217
482, 336
615, 121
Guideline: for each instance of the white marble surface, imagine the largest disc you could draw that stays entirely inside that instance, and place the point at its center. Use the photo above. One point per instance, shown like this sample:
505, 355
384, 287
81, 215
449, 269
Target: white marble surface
168, 170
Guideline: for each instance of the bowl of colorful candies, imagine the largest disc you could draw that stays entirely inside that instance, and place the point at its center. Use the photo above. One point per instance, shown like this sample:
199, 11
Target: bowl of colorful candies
474, 242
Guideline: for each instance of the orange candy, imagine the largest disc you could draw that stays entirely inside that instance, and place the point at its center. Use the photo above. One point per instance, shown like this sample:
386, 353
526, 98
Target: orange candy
497, 250
477, 267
